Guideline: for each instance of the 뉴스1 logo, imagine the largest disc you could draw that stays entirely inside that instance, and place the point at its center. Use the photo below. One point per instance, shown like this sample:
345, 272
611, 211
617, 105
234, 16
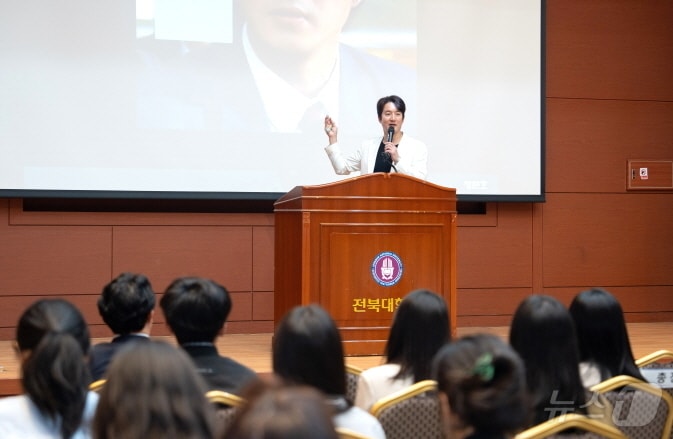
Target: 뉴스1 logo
387, 269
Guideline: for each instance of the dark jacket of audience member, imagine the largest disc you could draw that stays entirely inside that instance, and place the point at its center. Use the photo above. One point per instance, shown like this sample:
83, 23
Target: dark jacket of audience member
126, 305
482, 386
603, 339
153, 391
196, 310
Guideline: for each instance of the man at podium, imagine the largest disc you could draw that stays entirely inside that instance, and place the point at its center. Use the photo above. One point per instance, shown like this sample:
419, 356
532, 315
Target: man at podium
395, 151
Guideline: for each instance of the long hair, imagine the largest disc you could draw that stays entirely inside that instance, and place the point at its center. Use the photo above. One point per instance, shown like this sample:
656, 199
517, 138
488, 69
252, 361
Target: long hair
153, 391
420, 327
485, 384
543, 334
602, 335
307, 349
55, 375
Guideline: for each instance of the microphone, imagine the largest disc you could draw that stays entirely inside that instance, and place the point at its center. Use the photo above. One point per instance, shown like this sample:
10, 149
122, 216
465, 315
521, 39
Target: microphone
386, 155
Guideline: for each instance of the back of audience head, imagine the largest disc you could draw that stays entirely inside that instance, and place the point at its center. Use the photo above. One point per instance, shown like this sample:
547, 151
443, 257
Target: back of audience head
420, 327
277, 411
482, 386
127, 303
602, 335
153, 391
543, 334
53, 339
307, 349
196, 309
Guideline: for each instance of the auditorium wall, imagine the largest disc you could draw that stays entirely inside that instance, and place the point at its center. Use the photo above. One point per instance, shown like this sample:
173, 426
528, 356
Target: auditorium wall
609, 99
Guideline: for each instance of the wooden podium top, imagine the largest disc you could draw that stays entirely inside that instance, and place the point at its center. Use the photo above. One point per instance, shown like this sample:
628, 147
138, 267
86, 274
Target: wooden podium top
377, 191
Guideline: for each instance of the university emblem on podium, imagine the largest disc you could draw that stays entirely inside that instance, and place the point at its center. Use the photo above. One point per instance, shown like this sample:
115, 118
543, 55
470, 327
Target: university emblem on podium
387, 269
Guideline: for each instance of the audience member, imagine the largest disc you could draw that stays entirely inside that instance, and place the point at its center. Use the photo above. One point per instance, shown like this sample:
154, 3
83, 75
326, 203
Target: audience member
605, 350
307, 350
276, 411
420, 327
52, 340
127, 307
153, 391
482, 387
543, 334
196, 310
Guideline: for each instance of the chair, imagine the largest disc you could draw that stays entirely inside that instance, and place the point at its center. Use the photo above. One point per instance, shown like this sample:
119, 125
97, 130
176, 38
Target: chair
345, 433
640, 410
352, 378
97, 385
581, 426
227, 406
657, 368
413, 412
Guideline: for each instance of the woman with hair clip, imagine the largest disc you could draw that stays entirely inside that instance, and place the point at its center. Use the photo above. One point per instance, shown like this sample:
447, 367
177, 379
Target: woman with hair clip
482, 388
52, 341
605, 350
420, 327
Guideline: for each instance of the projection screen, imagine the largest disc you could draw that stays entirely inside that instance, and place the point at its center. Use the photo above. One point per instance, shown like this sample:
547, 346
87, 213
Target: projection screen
205, 98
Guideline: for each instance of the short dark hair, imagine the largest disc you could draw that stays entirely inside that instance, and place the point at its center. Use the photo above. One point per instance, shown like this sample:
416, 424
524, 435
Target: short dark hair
126, 303
395, 100
485, 383
307, 349
195, 308
420, 327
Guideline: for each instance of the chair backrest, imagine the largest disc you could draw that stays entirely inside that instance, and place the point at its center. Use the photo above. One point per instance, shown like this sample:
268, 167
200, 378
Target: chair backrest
640, 410
352, 378
97, 385
345, 433
580, 426
413, 412
227, 405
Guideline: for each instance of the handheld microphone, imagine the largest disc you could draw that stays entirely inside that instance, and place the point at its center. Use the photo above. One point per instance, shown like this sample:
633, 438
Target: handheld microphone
386, 155
391, 133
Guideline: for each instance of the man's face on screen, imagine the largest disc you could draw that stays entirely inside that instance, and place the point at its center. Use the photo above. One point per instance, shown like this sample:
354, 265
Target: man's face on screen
296, 25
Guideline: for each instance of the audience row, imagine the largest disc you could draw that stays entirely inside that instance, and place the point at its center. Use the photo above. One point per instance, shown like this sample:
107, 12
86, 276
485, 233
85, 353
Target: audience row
488, 388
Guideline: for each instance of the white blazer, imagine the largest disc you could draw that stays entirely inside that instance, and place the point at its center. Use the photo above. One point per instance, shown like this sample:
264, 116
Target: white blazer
413, 157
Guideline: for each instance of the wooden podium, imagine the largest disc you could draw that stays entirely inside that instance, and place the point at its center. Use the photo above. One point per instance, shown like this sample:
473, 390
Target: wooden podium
358, 246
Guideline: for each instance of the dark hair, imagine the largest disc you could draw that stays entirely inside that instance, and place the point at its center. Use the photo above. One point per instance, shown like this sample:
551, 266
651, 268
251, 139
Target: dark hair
126, 303
485, 383
602, 335
153, 391
195, 309
395, 100
307, 349
55, 374
279, 412
543, 334
420, 327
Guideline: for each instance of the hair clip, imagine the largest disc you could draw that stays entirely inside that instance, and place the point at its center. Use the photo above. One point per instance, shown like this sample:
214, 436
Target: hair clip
484, 368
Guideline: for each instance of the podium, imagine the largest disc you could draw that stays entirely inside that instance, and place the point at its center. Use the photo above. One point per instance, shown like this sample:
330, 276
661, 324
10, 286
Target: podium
358, 246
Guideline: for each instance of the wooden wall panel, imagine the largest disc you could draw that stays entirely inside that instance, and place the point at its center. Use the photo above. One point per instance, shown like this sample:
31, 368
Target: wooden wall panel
608, 240
163, 253
262, 258
500, 256
590, 141
610, 49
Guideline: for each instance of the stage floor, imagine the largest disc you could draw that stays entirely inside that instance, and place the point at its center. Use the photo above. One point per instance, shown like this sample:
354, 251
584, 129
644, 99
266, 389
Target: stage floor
254, 350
